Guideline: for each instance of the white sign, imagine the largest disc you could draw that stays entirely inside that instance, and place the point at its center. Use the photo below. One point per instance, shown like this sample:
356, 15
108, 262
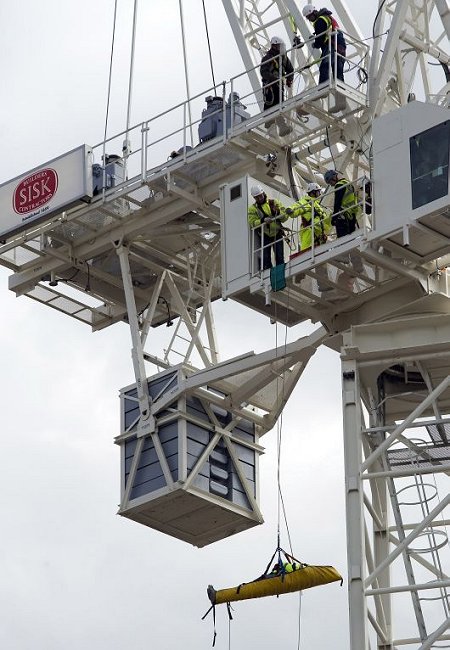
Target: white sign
51, 188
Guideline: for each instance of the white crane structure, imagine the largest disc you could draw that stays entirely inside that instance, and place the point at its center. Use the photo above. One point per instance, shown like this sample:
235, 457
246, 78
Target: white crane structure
150, 243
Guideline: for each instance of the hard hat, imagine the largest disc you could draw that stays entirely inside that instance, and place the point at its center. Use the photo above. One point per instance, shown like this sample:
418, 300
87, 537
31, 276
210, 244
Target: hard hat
276, 40
329, 175
308, 9
256, 190
313, 187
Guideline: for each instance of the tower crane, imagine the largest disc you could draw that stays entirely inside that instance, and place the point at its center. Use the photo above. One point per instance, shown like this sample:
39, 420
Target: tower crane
136, 240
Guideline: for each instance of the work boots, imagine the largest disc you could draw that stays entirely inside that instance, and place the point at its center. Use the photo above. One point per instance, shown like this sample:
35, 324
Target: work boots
340, 103
283, 127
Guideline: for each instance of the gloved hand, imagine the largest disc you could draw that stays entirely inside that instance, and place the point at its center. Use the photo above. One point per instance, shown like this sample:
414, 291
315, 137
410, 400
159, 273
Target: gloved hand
269, 220
289, 211
297, 42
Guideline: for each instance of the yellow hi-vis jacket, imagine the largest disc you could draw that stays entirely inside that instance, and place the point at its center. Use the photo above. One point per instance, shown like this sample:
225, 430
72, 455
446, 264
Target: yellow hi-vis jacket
350, 199
272, 208
322, 221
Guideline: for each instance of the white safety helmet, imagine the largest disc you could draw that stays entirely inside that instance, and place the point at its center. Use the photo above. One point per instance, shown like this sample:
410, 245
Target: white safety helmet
256, 190
308, 10
313, 187
276, 40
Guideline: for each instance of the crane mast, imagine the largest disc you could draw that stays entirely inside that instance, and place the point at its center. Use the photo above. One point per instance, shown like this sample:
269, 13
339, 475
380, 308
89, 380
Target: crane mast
407, 37
159, 244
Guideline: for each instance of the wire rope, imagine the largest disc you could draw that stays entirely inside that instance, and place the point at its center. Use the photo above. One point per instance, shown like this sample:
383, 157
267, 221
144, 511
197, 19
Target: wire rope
186, 75
126, 147
108, 99
209, 44
376, 18
281, 506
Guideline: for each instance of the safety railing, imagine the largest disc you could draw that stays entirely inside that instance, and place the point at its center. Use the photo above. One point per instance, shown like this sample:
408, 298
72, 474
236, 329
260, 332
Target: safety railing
267, 250
169, 138
320, 231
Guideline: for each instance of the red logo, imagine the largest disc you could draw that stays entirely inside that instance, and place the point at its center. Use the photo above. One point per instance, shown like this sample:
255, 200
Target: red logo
35, 190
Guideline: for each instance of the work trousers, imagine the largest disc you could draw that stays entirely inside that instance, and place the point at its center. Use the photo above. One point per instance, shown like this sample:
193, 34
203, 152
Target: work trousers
344, 225
271, 95
324, 68
268, 244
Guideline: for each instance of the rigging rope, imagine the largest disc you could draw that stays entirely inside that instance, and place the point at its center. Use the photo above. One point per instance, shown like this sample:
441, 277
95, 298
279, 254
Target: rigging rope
281, 504
186, 77
209, 44
126, 147
108, 99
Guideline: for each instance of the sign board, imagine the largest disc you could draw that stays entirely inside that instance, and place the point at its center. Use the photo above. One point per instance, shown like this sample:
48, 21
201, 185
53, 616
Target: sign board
53, 187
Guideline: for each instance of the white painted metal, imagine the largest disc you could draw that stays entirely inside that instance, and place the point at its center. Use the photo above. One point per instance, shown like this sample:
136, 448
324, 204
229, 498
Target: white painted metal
388, 298
369, 350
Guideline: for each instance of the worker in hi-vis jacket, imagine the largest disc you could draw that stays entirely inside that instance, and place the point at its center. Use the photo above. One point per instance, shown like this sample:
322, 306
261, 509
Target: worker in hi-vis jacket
304, 209
271, 213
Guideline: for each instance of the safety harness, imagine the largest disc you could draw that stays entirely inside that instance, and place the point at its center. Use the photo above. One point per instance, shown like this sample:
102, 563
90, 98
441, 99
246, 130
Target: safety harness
350, 202
274, 212
332, 26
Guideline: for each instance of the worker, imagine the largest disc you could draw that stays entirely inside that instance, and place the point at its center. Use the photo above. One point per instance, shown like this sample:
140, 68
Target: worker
346, 208
345, 212
275, 69
305, 208
329, 39
271, 213
285, 567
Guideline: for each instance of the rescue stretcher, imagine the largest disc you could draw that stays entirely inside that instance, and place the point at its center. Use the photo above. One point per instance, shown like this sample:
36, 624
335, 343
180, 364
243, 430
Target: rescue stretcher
303, 577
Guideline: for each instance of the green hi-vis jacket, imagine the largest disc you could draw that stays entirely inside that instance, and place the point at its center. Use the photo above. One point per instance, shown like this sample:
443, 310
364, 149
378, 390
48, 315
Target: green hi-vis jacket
322, 221
272, 208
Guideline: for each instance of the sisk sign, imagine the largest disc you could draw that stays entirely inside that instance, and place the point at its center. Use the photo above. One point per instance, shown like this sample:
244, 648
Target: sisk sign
35, 191
52, 188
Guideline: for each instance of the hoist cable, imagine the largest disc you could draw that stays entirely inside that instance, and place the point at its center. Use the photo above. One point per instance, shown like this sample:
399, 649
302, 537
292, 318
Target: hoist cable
278, 444
110, 78
279, 438
130, 77
280, 499
186, 77
209, 44
300, 595
288, 532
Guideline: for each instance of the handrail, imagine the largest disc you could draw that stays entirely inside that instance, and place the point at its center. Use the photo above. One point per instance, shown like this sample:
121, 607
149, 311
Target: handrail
365, 225
172, 124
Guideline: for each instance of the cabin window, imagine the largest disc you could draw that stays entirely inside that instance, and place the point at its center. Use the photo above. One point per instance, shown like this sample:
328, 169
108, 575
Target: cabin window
429, 152
235, 192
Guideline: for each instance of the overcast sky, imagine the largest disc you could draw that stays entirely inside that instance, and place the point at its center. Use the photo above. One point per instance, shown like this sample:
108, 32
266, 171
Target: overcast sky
73, 573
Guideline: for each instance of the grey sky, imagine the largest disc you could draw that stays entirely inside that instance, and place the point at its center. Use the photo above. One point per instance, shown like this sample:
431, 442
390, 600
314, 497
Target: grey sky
73, 574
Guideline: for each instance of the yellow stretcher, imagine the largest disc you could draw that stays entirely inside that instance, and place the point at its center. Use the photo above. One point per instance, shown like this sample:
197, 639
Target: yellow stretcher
301, 578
